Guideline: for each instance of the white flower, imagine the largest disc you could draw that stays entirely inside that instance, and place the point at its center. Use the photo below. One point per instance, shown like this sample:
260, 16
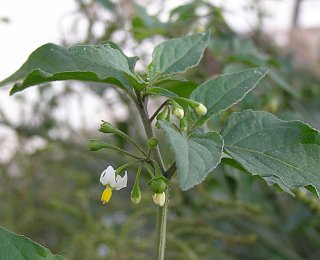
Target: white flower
159, 198
109, 179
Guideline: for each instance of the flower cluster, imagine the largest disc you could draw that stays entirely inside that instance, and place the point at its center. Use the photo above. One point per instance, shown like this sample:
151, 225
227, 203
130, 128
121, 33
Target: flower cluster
112, 181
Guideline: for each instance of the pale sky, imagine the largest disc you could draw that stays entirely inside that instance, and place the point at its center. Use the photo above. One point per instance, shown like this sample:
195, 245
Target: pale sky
32, 23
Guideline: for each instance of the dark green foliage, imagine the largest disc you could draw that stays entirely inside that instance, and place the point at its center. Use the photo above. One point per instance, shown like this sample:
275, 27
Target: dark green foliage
232, 215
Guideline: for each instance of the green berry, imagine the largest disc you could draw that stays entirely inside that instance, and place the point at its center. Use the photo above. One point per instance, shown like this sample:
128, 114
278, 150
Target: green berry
153, 142
158, 184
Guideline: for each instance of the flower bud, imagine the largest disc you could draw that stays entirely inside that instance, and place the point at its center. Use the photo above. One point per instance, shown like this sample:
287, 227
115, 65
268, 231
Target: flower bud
106, 128
158, 184
95, 145
163, 114
177, 109
153, 142
136, 195
184, 124
200, 109
159, 198
178, 112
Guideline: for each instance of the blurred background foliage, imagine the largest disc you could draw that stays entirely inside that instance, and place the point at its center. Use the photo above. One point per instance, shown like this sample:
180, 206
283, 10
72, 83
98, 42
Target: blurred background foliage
49, 186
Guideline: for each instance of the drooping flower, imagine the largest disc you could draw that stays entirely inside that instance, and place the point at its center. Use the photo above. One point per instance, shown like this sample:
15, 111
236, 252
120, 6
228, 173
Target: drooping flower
112, 182
159, 198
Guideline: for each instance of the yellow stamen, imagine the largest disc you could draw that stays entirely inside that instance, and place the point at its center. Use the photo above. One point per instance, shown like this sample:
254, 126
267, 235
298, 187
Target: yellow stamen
106, 194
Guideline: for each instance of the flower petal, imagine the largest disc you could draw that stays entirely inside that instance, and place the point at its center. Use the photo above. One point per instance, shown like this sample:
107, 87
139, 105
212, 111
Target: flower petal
121, 181
108, 177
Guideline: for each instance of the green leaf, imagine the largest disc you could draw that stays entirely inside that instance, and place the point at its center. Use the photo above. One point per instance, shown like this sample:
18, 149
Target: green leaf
144, 25
233, 68
177, 55
156, 91
184, 12
174, 89
224, 91
51, 62
195, 156
246, 51
277, 182
131, 60
181, 87
283, 84
267, 146
17, 247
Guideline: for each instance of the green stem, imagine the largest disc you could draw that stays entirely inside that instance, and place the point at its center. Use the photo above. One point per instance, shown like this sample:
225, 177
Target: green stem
148, 170
141, 105
101, 145
162, 228
121, 168
129, 139
158, 110
162, 211
125, 152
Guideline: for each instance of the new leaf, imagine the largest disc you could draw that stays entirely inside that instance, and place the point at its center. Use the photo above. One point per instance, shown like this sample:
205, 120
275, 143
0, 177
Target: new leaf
177, 55
222, 92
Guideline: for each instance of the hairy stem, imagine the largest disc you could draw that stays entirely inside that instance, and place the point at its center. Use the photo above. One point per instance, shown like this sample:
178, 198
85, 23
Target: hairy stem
162, 211
149, 131
129, 139
162, 228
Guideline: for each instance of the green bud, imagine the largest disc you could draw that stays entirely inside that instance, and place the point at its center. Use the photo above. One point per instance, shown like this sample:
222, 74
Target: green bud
200, 109
163, 114
178, 112
136, 194
95, 145
177, 109
159, 198
158, 184
106, 128
184, 124
153, 142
